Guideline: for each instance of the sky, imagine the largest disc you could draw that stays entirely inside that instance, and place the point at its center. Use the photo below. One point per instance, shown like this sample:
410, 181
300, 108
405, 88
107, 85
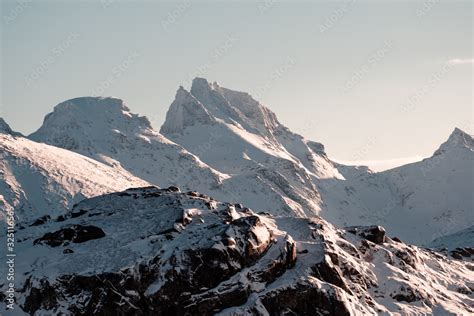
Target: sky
379, 82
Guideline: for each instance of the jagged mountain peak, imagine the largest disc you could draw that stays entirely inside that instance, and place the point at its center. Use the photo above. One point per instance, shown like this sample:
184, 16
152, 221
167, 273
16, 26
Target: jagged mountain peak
457, 139
185, 111
200, 84
458, 136
233, 107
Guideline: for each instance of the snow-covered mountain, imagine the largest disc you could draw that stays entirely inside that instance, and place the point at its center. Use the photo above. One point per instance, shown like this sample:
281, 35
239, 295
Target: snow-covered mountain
150, 251
226, 144
105, 129
459, 239
242, 135
38, 180
246, 133
244, 138
418, 202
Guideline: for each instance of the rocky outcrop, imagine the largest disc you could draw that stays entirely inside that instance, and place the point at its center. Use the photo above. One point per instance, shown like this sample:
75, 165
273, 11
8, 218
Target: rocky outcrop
75, 234
374, 233
166, 252
462, 253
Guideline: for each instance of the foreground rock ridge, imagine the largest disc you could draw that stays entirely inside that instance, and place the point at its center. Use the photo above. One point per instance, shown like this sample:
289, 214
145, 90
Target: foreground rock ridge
151, 251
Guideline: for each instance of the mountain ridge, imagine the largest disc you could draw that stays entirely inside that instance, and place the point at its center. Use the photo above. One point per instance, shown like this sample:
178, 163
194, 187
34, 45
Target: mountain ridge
238, 151
261, 265
41, 180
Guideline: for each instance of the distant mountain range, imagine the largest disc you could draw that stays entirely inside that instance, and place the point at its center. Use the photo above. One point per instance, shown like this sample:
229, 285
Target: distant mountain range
228, 146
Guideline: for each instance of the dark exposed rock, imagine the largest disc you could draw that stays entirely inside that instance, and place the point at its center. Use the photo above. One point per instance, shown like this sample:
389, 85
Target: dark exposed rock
327, 271
221, 255
374, 233
304, 299
214, 301
464, 290
193, 193
276, 268
254, 247
40, 221
107, 295
459, 253
105, 292
173, 189
407, 294
42, 297
408, 256
74, 233
456, 255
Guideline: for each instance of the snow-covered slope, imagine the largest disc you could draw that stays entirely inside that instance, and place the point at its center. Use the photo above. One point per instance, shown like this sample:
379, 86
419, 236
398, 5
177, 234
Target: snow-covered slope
38, 179
150, 251
458, 239
228, 145
239, 131
240, 134
244, 138
417, 202
105, 129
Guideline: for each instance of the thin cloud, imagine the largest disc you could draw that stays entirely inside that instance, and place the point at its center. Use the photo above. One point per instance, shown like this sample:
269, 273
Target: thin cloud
458, 61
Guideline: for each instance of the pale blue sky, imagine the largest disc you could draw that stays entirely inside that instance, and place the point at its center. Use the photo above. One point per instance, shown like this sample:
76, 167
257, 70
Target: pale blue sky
368, 79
